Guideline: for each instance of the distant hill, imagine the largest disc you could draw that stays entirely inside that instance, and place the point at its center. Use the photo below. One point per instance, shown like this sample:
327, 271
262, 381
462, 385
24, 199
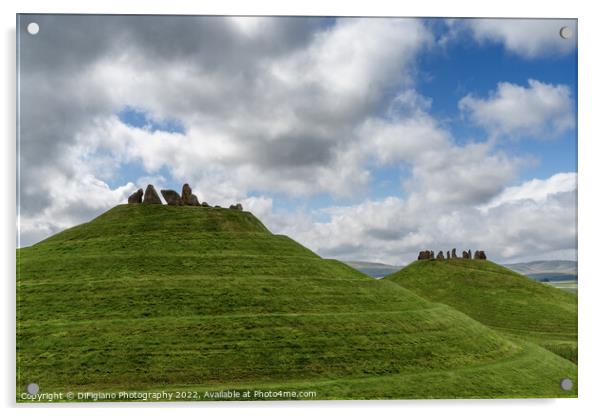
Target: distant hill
499, 298
377, 270
561, 274
547, 269
183, 298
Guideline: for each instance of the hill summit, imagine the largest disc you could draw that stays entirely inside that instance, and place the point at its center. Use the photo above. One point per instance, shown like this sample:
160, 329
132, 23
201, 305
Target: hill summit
430, 255
150, 196
500, 298
151, 297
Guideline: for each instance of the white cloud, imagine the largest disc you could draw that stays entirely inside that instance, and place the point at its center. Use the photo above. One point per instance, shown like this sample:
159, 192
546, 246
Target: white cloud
527, 229
442, 172
354, 60
538, 110
73, 201
529, 38
535, 190
523, 225
267, 103
286, 106
464, 175
405, 139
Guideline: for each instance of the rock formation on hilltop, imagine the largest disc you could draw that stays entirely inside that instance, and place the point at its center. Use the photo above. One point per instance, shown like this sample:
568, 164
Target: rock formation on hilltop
171, 197
151, 196
188, 198
430, 255
136, 197
424, 255
480, 255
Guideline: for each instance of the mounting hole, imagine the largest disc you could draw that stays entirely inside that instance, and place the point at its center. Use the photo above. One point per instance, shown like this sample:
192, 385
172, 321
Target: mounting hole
565, 32
33, 28
566, 384
33, 388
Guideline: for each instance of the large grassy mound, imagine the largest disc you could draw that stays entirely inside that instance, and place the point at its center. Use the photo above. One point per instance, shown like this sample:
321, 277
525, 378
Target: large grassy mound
150, 298
500, 298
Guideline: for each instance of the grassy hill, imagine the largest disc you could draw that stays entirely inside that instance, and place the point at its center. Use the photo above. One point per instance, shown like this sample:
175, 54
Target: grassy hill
151, 298
499, 298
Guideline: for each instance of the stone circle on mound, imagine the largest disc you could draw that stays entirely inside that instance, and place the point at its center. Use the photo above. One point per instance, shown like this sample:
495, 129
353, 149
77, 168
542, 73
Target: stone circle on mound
150, 196
430, 255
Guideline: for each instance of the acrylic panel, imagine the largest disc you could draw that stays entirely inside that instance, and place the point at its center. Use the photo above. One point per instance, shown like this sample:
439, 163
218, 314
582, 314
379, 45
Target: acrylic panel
295, 208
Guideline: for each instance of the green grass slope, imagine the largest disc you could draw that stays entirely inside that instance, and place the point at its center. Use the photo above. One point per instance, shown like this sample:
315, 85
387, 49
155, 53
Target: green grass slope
499, 298
150, 298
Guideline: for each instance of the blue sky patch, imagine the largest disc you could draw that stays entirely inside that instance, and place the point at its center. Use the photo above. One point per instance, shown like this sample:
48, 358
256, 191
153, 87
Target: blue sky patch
142, 119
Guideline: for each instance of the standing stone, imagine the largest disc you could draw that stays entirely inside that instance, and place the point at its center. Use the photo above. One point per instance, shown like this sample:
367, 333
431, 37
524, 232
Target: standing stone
171, 197
194, 200
465, 254
432, 254
454, 256
136, 197
448, 255
480, 255
469, 255
151, 196
424, 255
188, 198
440, 255
237, 207
186, 193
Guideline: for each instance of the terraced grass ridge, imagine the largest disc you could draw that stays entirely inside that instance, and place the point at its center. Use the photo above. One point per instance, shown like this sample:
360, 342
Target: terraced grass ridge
206, 301
500, 298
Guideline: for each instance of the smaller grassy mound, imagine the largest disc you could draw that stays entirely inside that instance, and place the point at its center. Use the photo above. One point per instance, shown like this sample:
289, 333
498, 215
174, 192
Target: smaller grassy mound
500, 298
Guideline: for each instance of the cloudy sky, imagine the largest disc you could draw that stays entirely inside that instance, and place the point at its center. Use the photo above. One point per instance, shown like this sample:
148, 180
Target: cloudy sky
363, 139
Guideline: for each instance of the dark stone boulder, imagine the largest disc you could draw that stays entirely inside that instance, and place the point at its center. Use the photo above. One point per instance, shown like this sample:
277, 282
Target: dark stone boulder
454, 256
171, 197
204, 204
424, 255
136, 197
440, 256
465, 254
237, 207
448, 255
151, 196
186, 192
194, 200
188, 198
480, 255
